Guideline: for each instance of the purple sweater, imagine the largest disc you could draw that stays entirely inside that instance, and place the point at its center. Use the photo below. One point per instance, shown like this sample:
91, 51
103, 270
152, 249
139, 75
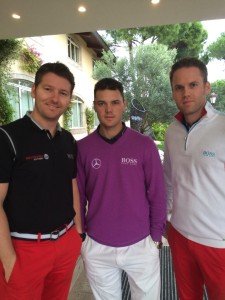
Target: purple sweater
122, 183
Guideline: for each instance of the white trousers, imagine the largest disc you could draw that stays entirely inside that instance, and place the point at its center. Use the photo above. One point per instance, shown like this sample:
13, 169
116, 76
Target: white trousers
104, 265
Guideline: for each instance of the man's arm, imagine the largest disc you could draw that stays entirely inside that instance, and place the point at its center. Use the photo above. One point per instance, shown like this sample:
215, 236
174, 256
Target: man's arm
168, 180
7, 252
76, 205
155, 191
168, 183
81, 182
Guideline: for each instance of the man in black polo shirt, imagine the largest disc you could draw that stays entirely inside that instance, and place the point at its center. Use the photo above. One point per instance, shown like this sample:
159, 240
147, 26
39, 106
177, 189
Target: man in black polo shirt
39, 245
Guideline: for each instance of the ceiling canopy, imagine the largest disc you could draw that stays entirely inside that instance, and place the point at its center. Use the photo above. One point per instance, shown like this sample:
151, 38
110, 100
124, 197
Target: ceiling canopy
47, 17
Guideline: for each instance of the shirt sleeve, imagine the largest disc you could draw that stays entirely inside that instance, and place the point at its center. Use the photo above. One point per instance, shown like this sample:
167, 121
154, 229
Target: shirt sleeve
81, 181
168, 180
75, 157
7, 157
155, 191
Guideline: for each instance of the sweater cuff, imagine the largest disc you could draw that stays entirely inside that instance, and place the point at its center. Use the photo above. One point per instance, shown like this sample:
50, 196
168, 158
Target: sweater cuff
156, 236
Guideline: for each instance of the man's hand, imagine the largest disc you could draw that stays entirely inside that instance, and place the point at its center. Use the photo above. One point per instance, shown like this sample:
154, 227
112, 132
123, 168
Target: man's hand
83, 236
7, 251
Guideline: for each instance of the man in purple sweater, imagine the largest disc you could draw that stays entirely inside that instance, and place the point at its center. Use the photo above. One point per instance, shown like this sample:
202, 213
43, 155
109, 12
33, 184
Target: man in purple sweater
122, 201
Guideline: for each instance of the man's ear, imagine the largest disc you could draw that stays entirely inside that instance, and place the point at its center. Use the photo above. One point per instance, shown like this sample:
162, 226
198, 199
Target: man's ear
207, 88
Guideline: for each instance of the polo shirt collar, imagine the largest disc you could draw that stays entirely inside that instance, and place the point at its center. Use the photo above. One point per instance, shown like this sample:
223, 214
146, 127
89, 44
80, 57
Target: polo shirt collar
115, 138
180, 117
28, 114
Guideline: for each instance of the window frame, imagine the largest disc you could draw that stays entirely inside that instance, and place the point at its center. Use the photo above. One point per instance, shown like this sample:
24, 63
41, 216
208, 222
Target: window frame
73, 50
17, 84
79, 114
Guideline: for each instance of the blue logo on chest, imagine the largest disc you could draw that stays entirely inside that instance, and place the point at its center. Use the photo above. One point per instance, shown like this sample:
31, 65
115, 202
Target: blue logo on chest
207, 153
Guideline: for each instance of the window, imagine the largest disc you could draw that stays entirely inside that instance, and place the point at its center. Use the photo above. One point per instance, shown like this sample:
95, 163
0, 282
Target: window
77, 114
20, 97
73, 50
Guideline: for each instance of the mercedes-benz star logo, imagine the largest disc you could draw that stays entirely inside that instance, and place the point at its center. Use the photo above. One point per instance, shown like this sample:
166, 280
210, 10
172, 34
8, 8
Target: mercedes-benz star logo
96, 163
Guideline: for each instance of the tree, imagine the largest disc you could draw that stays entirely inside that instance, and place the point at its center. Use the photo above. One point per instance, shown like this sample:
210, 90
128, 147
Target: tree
145, 80
9, 51
217, 48
187, 38
189, 41
218, 87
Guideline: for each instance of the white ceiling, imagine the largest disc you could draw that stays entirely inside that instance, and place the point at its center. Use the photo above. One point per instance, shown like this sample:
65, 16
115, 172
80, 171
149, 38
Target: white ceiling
44, 17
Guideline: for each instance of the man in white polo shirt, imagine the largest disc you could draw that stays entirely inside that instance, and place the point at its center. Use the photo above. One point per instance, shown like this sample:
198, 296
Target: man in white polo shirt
194, 164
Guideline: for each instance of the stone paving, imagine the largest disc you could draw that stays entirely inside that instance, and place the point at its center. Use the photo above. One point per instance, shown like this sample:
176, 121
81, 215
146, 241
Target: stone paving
80, 289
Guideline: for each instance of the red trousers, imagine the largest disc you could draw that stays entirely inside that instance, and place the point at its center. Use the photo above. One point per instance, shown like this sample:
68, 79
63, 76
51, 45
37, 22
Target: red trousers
43, 270
196, 265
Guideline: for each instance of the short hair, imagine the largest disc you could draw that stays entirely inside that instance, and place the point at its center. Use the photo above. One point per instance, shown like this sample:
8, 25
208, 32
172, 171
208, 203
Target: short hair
188, 62
108, 84
58, 69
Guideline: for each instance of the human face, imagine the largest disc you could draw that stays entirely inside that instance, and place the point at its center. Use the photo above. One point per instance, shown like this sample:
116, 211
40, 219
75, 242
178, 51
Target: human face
189, 92
52, 97
110, 106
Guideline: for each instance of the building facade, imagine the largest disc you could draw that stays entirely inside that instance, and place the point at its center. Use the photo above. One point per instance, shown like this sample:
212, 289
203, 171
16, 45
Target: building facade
79, 52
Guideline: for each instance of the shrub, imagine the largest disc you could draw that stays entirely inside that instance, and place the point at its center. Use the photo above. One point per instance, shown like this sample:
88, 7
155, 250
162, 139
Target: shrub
67, 117
90, 119
159, 130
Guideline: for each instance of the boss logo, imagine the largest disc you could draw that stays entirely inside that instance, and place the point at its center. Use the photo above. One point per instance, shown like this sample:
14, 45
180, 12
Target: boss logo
209, 153
129, 161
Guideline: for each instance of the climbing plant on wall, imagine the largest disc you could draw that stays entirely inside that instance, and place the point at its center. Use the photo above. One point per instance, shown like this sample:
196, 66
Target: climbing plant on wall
30, 60
9, 51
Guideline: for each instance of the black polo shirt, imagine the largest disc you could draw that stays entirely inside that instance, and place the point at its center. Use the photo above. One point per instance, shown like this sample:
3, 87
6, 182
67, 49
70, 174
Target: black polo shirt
40, 174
